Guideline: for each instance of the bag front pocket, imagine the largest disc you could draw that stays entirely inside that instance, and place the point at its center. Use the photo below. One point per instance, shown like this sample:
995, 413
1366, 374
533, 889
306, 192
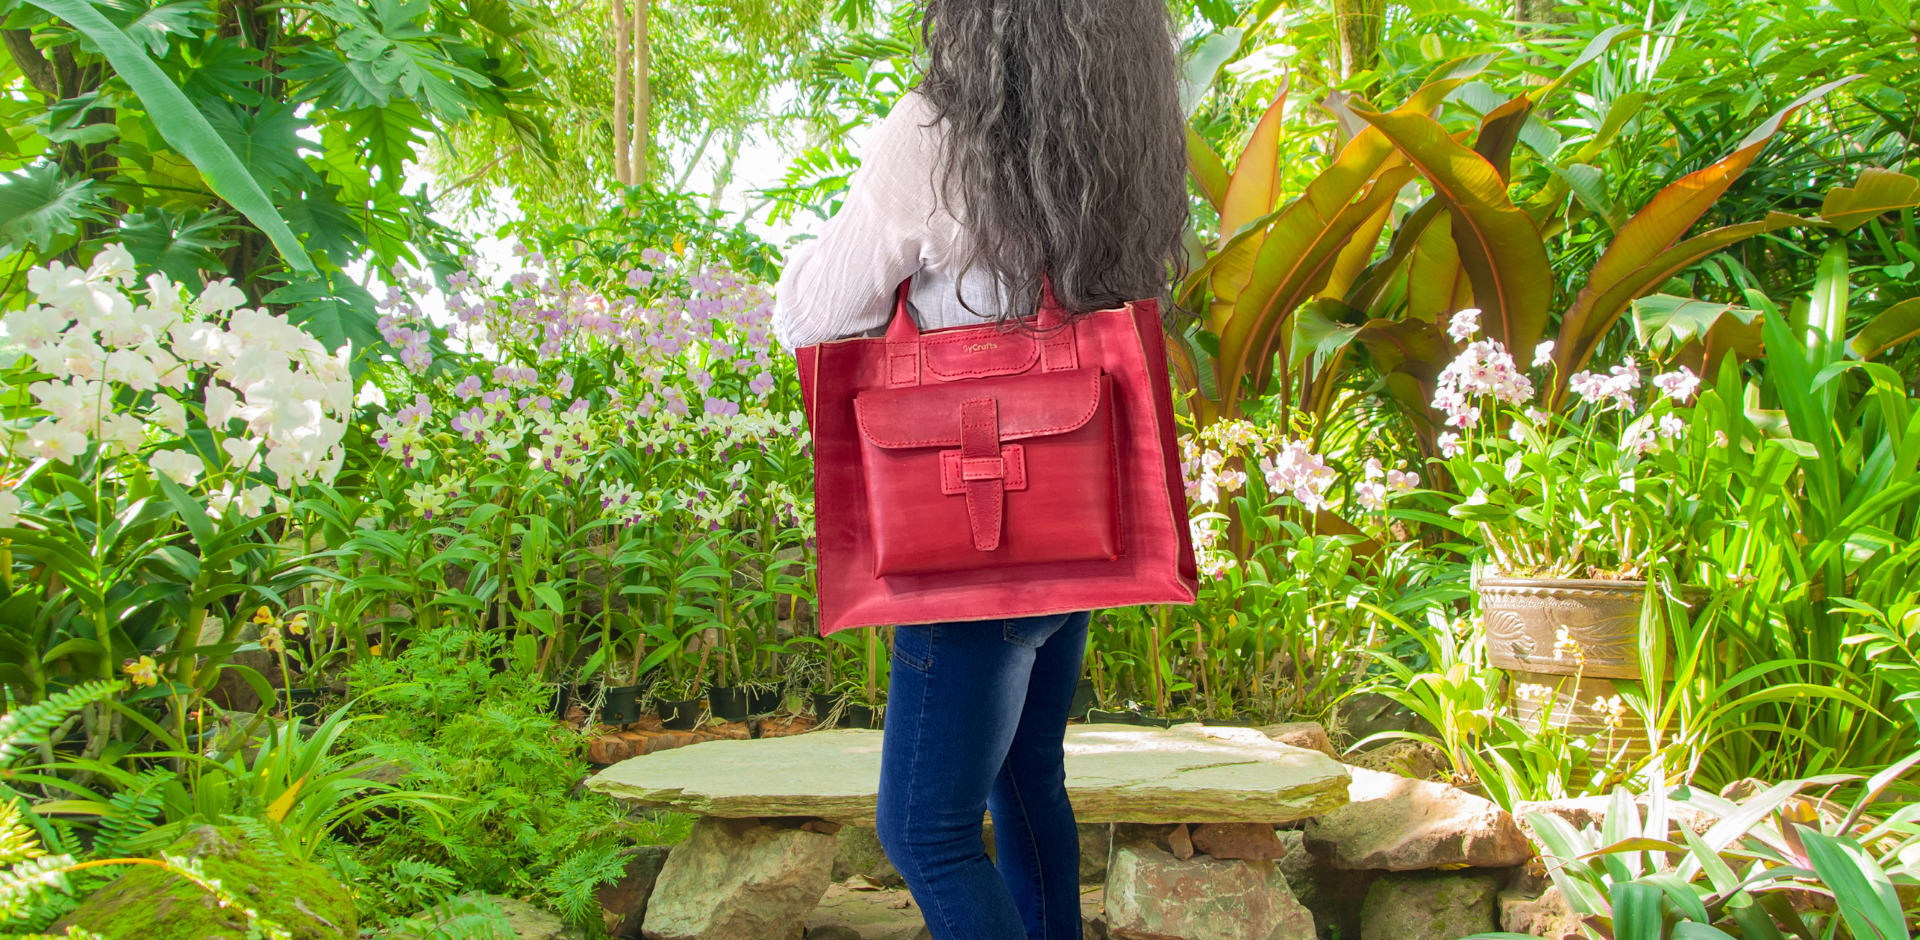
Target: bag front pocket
992, 472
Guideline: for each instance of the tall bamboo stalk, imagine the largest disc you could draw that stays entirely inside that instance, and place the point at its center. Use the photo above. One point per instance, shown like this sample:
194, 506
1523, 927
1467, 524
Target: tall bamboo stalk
622, 92
637, 169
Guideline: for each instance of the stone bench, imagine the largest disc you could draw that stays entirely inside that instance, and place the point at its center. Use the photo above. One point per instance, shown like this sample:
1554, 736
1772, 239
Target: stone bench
759, 859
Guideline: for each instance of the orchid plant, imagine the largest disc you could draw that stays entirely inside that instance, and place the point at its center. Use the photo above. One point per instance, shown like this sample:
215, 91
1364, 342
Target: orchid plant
149, 438
620, 465
1567, 493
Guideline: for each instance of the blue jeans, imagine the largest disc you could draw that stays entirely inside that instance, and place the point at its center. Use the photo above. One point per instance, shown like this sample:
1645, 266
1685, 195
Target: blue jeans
976, 714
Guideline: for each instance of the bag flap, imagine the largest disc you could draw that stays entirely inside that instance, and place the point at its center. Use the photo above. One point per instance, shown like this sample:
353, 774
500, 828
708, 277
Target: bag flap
1034, 405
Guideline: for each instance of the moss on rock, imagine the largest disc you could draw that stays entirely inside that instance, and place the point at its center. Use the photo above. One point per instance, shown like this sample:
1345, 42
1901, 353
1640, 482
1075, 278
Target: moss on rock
150, 903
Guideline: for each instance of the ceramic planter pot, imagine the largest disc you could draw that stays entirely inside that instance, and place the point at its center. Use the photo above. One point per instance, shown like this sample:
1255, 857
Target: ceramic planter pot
729, 703
680, 716
1558, 683
622, 705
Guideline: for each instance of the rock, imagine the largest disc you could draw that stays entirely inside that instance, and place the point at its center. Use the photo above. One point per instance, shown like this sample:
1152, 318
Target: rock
859, 853
1180, 842
1093, 916
869, 915
1307, 734
1396, 824
531, 923
623, 904
1416, 759
1253, 842
1096, 842
151, 903
1151, 895
1115, 773
833, 932
1428, 906
739, 880
1332, 895
1545, 916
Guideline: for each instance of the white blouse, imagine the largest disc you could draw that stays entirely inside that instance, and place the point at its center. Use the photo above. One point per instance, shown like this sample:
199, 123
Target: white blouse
892, 226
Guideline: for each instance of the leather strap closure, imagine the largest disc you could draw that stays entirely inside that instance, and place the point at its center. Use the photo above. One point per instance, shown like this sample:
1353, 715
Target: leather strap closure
983, 470
1010, 468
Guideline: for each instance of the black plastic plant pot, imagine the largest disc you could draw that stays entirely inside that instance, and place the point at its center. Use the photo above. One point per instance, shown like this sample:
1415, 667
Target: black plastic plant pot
729, 703
680, 716
1101, 717
622, 705
763, 701
303, 704
1082, 699
559, 699
857, 715
823, 705
1151, 721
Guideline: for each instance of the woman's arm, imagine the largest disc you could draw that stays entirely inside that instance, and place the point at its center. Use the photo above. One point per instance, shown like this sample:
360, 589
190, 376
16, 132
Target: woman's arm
841, 284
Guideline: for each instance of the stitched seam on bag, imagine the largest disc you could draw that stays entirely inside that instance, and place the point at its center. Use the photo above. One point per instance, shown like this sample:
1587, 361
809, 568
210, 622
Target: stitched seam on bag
934, 368
1093, 406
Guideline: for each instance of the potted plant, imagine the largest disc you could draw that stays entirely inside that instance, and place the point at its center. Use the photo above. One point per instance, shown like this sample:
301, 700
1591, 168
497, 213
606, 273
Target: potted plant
1574, 509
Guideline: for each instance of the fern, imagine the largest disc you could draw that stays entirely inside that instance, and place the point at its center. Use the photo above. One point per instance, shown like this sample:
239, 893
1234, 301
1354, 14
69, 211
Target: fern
456, 919
28, 726
18, 841
130, 813
572, 886
269, 839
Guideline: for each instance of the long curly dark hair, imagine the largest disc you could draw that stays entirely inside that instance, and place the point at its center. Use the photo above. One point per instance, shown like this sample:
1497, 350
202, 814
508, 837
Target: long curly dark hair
1065, 144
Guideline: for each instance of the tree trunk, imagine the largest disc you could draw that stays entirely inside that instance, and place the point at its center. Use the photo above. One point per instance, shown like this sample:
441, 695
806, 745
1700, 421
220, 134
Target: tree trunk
622, 91
724, 178
1360, 23
642, 92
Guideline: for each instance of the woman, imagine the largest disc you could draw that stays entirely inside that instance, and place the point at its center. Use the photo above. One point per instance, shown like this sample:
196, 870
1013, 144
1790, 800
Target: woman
1044, 141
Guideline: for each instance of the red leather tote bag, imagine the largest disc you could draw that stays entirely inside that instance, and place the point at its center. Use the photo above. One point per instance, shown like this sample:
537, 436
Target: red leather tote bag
979, 472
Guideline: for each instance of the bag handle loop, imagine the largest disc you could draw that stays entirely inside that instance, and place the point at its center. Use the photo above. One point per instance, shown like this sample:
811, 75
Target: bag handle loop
1058, 352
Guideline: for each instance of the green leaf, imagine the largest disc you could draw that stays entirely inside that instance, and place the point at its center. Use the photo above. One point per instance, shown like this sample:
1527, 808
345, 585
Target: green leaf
39, 205
389, 135
182, 125
1888, 328
380, 53
1636, 911
151, 25
328, 225
268, 143
333, 309
1864, 894
1197, 73
222, 71
1875, 193
178, 245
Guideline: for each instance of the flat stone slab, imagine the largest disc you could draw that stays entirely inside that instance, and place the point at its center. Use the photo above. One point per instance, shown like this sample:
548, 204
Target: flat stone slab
1115, 773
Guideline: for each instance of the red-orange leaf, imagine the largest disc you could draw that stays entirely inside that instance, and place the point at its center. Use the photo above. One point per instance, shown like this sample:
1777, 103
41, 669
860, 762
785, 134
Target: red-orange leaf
1628, 267
1499, 245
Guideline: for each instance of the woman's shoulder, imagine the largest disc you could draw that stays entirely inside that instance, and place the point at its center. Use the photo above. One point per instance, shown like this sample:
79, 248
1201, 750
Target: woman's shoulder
912, 125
